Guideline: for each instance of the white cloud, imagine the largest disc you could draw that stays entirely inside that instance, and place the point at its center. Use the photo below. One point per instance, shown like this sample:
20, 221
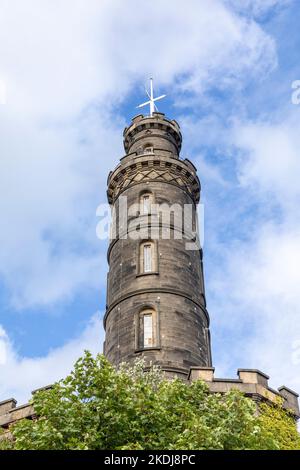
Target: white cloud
258, 7
21, 375
49, 185
57, 57
270, 156
3, 339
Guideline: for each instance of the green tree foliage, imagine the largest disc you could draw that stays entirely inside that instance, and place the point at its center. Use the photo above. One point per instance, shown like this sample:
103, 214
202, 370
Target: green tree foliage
100, 407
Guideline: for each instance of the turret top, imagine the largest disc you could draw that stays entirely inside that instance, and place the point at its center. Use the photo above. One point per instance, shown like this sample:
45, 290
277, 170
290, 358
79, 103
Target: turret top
154, 131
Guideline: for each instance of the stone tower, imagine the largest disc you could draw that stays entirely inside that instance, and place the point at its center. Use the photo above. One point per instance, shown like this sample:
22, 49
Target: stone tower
156, 304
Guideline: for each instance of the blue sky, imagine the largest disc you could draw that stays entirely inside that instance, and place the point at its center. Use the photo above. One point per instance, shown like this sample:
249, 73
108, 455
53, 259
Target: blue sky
74, 74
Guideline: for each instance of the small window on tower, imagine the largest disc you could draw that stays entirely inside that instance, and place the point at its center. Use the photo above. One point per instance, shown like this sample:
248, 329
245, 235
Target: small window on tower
148, 148
146, 329
146, 200
147, 263
147, 258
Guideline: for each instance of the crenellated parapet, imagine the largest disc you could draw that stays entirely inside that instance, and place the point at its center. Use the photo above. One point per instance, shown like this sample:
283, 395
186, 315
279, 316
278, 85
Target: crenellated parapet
10, 413
252, 382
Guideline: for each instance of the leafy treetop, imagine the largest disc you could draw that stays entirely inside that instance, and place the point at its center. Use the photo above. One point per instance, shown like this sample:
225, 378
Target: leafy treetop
100, 407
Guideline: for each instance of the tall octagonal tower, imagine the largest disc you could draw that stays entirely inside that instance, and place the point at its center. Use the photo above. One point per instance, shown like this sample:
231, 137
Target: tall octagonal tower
156, 304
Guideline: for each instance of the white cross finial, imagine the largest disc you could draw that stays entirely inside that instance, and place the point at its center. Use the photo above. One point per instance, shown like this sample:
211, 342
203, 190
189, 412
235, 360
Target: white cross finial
152, 100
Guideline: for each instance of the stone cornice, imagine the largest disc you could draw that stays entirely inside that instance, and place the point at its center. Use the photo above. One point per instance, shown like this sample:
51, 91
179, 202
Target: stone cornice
152, 168
155, 290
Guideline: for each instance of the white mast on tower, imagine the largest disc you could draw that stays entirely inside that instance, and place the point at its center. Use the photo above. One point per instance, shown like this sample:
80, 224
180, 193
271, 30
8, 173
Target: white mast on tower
152, 100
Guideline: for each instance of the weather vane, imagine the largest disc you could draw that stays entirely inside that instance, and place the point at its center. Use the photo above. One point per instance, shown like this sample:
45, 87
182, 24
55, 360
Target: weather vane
152, 100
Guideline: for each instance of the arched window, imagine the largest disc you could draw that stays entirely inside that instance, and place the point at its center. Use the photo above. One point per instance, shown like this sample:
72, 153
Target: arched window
148, 330
146, 333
